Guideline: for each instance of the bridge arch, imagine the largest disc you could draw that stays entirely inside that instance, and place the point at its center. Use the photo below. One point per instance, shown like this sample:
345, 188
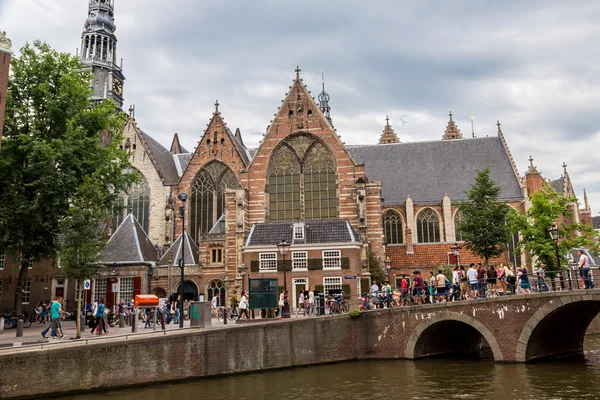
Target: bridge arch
557, 328
449, 332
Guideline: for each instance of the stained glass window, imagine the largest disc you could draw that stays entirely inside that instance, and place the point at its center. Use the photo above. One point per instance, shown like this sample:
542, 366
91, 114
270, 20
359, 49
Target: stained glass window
136, 201
392, 227
458, 218
428, 226
207, 201
302, 164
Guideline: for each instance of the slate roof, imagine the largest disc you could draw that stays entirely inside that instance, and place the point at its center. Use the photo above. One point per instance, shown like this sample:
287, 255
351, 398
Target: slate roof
558, 184
596, 222
316, 232
427, 171
594, 260
173, 254
181, 162
129, 244
162, 159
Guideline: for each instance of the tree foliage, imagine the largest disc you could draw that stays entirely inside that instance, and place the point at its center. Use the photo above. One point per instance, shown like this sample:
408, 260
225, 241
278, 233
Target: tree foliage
549, 207
52, 154
483, 225
375, 268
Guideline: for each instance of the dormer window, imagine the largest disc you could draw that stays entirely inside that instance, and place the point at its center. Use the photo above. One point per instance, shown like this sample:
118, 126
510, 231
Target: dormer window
299, 231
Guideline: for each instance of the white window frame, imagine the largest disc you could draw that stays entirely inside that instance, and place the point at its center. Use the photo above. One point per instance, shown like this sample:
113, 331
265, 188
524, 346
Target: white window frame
98, 288
300, 261
332, 260
328, 283
298, 231
30, 266
126, 289
267, 262
2, 260
26, 291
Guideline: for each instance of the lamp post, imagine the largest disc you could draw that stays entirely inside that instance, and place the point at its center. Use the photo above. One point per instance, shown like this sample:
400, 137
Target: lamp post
456, 251
554, 235
182, 198
284, 248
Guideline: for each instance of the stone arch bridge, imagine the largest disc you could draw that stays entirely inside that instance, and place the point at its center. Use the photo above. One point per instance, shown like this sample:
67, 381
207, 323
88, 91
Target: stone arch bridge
518, 328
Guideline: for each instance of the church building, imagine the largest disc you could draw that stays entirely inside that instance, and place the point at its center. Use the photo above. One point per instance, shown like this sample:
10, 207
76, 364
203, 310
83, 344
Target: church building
340, 207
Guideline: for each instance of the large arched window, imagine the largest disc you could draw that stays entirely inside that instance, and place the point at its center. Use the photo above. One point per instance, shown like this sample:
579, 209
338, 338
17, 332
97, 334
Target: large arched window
458, 218
428, 226
392, 227
216, 288
302, 164
207, 201
135, 201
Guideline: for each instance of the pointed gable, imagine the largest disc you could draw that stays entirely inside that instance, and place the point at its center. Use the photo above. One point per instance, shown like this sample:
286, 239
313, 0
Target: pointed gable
218, 143
299, 113
176, 147
452, 132
129, 245
388, 135
183, 245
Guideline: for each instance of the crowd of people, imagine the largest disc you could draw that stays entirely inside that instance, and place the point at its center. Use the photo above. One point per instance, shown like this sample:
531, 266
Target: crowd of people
463, 283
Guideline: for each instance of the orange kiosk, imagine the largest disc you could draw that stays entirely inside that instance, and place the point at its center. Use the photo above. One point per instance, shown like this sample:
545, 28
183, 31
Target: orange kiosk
144, 301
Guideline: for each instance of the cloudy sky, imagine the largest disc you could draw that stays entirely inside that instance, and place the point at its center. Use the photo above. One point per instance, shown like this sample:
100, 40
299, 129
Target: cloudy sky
533, 65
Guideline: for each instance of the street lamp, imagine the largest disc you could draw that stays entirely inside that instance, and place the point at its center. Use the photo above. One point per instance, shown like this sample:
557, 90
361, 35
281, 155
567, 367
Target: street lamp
456, 251
182, 198
554, 235
284, 248
388, 266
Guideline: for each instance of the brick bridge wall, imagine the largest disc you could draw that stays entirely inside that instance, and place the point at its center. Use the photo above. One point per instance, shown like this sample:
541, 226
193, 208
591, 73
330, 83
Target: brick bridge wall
517, 328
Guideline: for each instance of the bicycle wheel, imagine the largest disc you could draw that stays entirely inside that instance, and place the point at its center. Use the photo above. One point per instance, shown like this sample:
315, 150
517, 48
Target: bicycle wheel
345, 307
220, 313
26, 323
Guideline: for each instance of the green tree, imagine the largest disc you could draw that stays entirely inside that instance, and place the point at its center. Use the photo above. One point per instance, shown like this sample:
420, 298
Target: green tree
483, 225
377, 272
549, 207
52, 148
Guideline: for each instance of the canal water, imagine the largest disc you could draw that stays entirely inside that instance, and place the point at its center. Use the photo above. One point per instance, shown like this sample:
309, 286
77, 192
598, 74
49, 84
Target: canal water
437, 378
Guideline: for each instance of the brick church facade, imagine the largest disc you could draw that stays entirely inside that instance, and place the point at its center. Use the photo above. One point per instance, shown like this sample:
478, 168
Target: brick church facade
339, 206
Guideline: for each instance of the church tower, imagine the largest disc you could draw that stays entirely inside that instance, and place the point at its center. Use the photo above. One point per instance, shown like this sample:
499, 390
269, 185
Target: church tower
99, 51
5, 55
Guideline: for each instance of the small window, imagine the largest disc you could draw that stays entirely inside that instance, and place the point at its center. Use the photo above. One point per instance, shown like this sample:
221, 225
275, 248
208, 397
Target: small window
299, 261
332, 259
333, 284
291, 114
216, 256
310, 113
26, 292
268, 262
222, 141
2, 259
298, 231
208, 142
125, 289
30, 266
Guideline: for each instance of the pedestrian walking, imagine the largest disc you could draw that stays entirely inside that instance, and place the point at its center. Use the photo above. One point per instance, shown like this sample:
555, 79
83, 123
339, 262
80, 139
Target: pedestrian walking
541, 275
244, 305
502, 278
492, 280
432, 283
480, 280
473, 280
214, 304
418, 287
404, 291
584, 266
54, 320
301, 304
441, 281
464, 283
511, 279
100, 318
523, 280
186, 309
176, 310
311, 301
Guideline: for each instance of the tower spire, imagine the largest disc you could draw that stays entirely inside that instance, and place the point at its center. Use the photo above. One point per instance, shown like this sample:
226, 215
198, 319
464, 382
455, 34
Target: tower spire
324, 100
388, 135
452, 132
99, 51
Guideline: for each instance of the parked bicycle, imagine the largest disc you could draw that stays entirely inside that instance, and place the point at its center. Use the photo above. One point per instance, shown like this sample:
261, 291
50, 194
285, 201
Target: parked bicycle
338, 304
11, 322
231, 312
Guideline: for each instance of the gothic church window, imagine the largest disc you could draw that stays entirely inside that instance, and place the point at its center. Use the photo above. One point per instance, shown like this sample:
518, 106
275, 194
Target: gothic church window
428, 226
458, 218
207, 202
136, 201
302, 164
392, 227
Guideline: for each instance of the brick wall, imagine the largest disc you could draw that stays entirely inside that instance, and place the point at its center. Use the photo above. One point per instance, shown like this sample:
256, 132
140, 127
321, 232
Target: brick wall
515, 328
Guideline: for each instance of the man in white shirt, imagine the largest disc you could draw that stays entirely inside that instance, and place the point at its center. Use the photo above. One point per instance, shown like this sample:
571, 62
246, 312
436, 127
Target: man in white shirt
472, 275
584, 266
213, 304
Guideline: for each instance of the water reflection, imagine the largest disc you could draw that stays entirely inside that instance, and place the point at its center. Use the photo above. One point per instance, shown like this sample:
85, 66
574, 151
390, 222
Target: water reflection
438, 378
